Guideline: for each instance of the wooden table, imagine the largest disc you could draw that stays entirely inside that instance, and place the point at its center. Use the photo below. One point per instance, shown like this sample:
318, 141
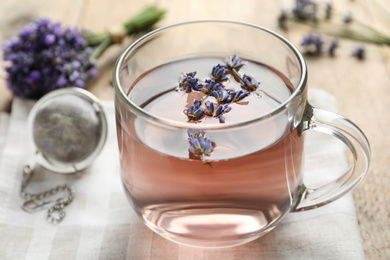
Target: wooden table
362, 88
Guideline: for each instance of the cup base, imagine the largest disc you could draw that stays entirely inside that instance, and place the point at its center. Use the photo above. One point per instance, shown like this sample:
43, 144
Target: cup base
208, 227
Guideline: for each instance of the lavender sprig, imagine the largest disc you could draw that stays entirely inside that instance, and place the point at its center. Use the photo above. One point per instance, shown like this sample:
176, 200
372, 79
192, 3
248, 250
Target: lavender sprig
359, 52
218, 73
195, 111
210, 111
233, 63
315, 44
332, 46
211, 86
209, 108
307, 12
249, 83
189, 82
313, 40
224, 98
46, 56
240, 95
200, 146
221, 109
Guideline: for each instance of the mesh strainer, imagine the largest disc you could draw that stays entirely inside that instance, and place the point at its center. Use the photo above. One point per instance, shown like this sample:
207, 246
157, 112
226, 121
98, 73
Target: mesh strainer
68, 128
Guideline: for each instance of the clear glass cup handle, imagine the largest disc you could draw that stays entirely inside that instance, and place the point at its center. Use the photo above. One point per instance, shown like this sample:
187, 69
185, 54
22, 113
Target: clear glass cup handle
346, 131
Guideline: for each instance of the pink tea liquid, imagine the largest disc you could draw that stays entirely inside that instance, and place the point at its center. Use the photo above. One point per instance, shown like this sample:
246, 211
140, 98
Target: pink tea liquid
250, 179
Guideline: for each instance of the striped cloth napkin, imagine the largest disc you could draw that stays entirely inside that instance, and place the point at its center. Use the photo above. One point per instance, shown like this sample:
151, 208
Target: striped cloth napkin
100, 224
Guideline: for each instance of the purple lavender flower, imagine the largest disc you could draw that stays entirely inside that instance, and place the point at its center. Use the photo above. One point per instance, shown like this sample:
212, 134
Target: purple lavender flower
305, 10
218, 73
223, 98
210, 111
199, 145
240, 95
249, 83
359, 52
348, 18
218, 94
46, 56
211, 86
220, 110
282, 20
233, 63
221, 119
332, 47
195, 112
313, 43
189, 82
209, 108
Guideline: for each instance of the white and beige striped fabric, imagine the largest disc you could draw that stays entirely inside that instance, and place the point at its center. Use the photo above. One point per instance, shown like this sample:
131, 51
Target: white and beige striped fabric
100, 224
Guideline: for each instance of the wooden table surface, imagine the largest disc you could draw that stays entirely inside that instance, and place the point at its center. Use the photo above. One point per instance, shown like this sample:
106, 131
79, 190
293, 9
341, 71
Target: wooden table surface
362, 88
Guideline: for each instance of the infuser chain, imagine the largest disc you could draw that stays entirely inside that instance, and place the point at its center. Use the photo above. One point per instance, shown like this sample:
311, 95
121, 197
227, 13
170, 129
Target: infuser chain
34, 202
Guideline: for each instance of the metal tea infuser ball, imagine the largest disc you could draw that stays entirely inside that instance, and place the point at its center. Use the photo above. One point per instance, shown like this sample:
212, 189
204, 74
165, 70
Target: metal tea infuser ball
68, 128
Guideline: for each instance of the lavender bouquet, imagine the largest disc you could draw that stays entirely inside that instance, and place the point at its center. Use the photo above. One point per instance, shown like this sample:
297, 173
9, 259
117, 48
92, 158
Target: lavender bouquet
46, 56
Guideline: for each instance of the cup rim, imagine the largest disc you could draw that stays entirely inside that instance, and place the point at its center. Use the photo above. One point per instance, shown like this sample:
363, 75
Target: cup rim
186, 125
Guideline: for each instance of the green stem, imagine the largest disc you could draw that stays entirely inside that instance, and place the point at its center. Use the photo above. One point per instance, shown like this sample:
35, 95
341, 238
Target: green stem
141, 22
99, 50
94, 39
144, 20
204, 100
238, 75
363, 32
385, 13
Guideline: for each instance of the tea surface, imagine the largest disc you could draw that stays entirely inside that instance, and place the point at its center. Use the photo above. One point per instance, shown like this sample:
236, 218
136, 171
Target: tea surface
172, 103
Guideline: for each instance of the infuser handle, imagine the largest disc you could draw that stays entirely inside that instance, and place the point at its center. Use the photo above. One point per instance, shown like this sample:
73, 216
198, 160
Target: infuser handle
346, 131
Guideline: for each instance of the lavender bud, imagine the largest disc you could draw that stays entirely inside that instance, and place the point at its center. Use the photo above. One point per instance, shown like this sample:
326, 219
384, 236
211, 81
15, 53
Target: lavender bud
50, 39
200, 146
348, 18
305, 10
332, 47
218, 94
220, 110
189, 83
221, 119
359, 52
194, 112
211, 86
218, 73
233, 63
209, 108
250, 84
313, 43
282, 20
239, 95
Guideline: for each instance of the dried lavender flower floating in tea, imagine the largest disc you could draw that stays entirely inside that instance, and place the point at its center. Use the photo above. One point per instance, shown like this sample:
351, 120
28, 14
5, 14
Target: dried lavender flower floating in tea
201, 146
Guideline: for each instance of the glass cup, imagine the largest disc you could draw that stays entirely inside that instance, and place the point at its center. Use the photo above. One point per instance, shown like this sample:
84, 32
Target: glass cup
241, 184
